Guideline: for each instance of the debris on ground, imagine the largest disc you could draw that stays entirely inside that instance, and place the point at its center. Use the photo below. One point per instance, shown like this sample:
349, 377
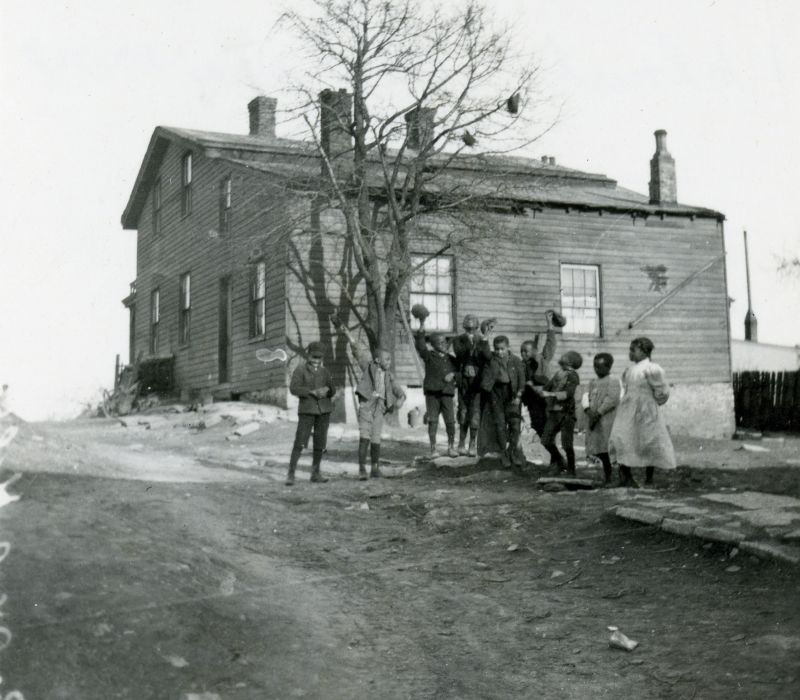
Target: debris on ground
618, 640
753, 448
247, 428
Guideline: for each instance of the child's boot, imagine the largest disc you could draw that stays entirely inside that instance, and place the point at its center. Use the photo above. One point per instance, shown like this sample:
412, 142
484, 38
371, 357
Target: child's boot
626, 477
604, 458
462, 439
451, 441
556, 460
473, 443
375, 455
648, 475
363, 446
432, 438
570, 461
293, 460
316, 475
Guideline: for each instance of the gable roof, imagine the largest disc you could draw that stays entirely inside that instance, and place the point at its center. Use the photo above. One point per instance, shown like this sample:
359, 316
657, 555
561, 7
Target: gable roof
508, 178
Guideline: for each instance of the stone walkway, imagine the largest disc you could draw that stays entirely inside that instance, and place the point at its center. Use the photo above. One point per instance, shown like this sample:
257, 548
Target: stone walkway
763, 524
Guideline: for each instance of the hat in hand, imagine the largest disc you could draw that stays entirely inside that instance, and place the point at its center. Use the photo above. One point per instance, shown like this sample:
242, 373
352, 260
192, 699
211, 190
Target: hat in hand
488, 324
420, 312
558, 320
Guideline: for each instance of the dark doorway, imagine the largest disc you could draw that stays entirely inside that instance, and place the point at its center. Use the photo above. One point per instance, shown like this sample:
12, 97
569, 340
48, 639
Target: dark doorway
224, 330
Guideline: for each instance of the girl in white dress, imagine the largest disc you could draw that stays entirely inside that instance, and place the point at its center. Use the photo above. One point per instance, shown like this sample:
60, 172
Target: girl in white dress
639, 436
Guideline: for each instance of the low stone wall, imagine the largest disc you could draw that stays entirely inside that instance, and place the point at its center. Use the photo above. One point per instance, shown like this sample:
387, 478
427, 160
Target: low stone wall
701, 410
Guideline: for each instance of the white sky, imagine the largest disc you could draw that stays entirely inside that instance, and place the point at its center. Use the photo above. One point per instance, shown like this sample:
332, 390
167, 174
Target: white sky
83, 84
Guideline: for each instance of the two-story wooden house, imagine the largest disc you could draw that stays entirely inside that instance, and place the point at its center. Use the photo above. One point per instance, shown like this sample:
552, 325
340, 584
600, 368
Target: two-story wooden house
235, 252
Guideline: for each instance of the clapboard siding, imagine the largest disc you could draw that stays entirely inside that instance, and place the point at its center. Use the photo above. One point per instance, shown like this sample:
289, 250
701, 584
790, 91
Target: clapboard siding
194, 244
515, 278
690, 330
518, 278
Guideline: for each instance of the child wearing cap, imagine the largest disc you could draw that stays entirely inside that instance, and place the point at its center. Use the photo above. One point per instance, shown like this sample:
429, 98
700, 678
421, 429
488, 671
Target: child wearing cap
469, 362
378, 394
312, 384
502, 381
560, 395
439, 386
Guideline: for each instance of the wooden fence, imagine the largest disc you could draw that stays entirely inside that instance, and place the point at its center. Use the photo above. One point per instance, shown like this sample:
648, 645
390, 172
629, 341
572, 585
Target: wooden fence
767, 400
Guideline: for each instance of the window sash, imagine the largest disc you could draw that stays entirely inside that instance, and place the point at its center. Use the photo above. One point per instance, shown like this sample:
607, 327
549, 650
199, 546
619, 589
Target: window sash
432, 285
580, 298
155, 317
186, 291
186, 184
184, 308
187, 169
258, 299
225, 205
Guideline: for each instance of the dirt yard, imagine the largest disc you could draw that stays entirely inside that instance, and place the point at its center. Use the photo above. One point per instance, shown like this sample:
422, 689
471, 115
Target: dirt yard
169, 563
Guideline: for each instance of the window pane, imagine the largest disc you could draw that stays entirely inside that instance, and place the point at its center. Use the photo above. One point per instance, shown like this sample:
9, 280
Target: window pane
186, 291
261, 281
261, 319
580, 298
432, 285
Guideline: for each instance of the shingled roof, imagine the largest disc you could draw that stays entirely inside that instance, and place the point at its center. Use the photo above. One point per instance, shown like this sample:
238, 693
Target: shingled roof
520, 180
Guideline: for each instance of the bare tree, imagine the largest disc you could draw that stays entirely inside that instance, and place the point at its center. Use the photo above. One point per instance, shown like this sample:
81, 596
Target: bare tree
430, 97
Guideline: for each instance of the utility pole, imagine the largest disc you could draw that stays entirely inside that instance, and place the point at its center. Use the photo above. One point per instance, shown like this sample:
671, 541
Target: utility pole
750, 321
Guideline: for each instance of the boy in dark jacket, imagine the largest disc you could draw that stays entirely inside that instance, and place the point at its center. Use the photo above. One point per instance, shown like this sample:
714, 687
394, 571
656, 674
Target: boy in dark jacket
503, 381
469, 362
439, 386
560, 395
313, 385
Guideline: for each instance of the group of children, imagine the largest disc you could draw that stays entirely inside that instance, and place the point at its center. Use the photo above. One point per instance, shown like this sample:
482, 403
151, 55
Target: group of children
622, 422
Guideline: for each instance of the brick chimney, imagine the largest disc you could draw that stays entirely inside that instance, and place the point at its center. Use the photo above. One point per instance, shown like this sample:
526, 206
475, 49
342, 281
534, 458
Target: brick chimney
336, 117
262, 116
419, 124
663, 187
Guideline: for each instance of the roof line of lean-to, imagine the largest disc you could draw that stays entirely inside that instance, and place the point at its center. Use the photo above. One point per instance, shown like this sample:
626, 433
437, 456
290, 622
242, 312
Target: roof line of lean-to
589, 191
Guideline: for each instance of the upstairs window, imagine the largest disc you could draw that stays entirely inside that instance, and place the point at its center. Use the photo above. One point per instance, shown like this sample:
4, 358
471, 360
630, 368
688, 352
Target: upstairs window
580, 299
184, 308
258, 299
157, 207
432, 285
225, 205
155, 317
186, 184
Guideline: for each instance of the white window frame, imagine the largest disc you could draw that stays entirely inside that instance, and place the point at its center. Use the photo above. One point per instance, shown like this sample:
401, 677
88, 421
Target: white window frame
582, 311
258, 299
186, 183
427, 286
155, 318
225, 200
184, 308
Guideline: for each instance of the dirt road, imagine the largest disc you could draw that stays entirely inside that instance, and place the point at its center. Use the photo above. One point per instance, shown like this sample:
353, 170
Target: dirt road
143, 565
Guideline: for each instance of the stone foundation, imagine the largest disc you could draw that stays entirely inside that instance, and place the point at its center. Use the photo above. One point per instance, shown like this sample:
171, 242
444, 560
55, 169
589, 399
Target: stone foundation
701, 410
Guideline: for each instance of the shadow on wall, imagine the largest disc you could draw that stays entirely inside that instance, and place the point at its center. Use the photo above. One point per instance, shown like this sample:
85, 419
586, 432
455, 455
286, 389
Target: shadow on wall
322, 266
